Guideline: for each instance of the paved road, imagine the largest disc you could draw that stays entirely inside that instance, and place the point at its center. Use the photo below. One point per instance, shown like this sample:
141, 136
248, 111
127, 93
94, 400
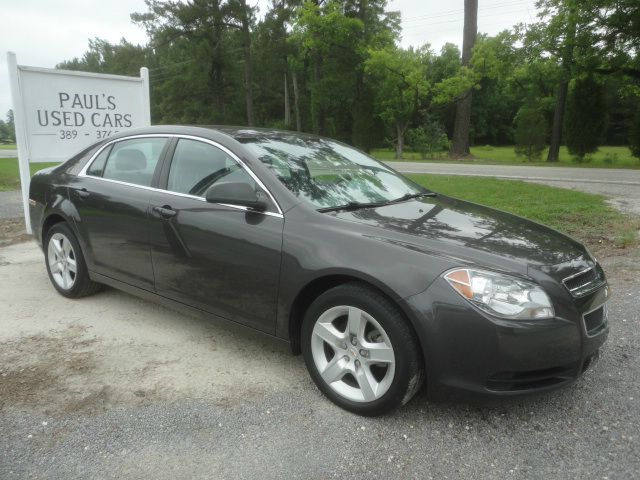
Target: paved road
111, 386
8, 153
620, 185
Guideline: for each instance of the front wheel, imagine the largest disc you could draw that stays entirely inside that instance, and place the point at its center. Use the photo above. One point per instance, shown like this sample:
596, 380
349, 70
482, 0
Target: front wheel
360, 350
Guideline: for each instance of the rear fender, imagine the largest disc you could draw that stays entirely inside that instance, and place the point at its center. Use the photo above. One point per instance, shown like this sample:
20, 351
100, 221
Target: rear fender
59, 205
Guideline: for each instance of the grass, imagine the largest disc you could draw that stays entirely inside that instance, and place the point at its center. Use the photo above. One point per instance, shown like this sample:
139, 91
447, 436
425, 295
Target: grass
10, 174
8, 146
605, 157
584, 216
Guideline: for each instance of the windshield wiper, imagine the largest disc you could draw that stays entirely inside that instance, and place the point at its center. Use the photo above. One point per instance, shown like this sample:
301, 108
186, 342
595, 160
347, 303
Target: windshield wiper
358, 205
352, 206
410, 196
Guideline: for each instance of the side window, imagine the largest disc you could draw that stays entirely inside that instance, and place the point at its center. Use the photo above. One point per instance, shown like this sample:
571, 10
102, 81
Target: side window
197, 165
97, 167
134, 161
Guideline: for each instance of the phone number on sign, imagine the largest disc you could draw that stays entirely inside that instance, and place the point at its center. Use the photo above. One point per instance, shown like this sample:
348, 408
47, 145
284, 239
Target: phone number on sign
73, 134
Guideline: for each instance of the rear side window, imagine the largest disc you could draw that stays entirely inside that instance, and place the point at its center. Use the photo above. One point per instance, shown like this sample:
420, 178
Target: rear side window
97, 167
132, 161
196, 166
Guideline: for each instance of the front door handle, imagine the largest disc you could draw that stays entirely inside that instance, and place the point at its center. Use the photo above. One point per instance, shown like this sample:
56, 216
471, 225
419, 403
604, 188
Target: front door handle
83, 193
165, 212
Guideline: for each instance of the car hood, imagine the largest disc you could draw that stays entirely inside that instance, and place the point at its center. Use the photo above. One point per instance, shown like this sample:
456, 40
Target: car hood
468, 231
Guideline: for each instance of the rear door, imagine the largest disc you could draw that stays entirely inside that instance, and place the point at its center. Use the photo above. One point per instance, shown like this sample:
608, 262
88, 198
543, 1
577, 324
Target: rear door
112, 196
222, 259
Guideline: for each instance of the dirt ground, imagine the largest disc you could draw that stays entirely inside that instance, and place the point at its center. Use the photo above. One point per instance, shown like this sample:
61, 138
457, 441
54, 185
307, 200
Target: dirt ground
12, 231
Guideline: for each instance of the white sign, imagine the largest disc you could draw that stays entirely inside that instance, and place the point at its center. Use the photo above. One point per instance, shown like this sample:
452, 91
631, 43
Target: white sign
57, 113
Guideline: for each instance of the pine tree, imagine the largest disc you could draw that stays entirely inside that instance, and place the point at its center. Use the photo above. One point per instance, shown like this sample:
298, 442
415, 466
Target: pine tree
585, 118
634, 136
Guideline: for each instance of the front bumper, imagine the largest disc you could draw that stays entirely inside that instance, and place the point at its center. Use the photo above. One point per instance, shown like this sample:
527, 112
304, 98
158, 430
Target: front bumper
468, 351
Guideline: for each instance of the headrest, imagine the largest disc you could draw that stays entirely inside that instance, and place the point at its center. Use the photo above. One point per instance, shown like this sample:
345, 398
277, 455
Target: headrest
130, 159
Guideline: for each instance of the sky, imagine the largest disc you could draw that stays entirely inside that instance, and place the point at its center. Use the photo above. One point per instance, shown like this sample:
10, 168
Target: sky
43, 33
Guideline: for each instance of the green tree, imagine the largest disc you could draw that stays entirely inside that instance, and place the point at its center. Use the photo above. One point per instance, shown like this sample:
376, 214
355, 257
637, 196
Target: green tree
564, 33
197, 45
496, 101
328, 40
617, 26
530, 132
402, 85
634, 136
7, 129
122, 58
277, 95
585, 121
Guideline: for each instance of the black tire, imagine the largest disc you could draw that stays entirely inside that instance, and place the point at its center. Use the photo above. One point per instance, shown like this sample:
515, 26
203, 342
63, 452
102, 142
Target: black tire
409, 366
82, 284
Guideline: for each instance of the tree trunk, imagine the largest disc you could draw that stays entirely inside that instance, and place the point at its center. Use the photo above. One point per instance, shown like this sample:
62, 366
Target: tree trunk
558, 122
400, 129
287, 107
317, 103
561, 101
460, 143
216, 72
296, 100
248, 69
318, 106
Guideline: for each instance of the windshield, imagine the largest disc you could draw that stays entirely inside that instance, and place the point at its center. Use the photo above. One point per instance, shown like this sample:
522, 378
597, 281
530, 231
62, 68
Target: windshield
328, 174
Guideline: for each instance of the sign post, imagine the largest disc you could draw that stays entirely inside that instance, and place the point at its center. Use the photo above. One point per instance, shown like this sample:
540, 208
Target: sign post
58, 113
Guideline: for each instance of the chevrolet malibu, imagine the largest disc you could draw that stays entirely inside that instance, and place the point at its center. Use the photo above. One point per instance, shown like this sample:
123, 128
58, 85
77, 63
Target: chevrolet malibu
381, 284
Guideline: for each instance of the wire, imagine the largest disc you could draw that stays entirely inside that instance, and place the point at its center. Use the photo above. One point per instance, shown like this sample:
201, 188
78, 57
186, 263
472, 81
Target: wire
460, 20
449, 13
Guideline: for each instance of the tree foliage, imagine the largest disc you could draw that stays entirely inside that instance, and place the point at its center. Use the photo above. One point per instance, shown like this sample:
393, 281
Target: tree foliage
530, 132
585, 121
7, 129
402, 84
335, 67
428, 139
634, 136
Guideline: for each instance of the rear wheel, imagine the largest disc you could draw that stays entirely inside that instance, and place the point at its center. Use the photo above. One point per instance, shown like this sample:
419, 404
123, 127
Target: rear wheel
65, 263
360, 351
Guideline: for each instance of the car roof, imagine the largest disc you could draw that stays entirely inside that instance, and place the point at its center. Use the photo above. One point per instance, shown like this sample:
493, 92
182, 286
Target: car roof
236, 132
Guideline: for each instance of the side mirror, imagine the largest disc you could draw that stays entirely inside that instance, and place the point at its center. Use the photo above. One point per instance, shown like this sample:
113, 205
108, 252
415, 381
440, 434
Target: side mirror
237, 193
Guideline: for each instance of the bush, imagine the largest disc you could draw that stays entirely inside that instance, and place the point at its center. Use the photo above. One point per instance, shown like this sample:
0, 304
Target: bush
428, 139
531, 131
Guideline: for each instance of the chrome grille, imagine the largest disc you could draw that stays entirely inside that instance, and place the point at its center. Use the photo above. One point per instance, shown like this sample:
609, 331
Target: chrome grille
583, 281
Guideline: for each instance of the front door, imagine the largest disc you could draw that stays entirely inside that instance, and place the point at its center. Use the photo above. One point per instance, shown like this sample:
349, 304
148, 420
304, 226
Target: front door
222, 259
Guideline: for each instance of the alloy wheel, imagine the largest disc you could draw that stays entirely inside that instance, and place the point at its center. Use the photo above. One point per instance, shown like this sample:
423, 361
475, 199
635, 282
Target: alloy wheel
62, 261
353, 353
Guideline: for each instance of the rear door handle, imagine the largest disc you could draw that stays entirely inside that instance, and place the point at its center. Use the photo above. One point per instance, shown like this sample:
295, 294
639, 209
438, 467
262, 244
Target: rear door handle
165, 212
83, 193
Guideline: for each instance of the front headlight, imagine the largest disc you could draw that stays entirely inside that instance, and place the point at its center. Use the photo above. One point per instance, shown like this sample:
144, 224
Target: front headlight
501, 295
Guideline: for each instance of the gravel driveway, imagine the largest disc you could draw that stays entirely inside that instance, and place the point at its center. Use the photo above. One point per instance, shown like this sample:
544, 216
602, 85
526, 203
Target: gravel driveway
111, 386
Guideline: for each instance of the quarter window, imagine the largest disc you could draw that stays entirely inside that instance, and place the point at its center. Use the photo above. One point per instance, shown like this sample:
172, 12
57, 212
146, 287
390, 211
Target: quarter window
97, 167
196, 166
132, 161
